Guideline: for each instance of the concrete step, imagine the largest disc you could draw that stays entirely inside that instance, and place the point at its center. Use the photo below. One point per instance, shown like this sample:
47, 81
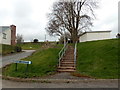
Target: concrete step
64, 63
72, 53
67, 62
66, 67
69, 52
66, 70
68, 59
68, 56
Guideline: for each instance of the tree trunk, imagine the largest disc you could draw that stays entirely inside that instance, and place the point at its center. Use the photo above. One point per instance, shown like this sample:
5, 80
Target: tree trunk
74, 36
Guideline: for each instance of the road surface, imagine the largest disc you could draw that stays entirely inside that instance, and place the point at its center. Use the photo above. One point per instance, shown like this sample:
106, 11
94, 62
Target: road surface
81, 84
9, 59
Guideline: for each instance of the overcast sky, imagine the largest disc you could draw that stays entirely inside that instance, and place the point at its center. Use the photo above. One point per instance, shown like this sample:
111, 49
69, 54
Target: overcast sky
30, 17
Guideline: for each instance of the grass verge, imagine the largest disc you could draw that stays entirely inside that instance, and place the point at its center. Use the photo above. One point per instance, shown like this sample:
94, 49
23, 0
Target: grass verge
44, 62
8, 49
98, 59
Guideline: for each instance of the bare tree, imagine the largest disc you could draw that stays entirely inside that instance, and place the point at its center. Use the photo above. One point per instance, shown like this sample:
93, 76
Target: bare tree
19, 39
66, 35
73, 16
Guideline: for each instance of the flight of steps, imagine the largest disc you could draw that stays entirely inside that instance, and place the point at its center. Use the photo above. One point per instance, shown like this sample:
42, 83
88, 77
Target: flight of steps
67, 62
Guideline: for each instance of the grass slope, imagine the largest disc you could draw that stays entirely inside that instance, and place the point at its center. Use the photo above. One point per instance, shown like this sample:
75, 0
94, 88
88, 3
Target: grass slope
31, 46
44, 62
98, 58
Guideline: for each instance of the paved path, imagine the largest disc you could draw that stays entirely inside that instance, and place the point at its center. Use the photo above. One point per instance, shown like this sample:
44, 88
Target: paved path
63, 80
81, 84
9, 59
65, 75
67, 63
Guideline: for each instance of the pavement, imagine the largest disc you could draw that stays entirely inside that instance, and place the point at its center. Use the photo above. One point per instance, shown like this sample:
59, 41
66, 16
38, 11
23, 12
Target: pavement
60, 80
80, 84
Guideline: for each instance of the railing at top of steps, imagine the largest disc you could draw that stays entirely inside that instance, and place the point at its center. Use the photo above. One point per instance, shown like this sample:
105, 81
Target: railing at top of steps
62, 52
75, 54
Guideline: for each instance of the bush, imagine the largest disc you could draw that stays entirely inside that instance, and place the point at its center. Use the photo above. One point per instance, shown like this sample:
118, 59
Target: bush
18, 49
35, 40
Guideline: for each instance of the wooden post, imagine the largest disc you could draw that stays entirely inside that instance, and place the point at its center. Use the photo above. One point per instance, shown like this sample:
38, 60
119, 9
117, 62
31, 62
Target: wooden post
27, 68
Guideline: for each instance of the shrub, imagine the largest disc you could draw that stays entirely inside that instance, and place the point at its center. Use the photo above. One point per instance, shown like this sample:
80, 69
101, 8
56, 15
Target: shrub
35, 40
18, 49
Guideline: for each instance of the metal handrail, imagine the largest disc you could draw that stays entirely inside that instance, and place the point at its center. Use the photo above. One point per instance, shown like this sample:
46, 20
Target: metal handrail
75, 54
62, 52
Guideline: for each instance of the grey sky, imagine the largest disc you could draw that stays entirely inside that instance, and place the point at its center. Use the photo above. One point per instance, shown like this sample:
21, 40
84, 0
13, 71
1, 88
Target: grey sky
30, 17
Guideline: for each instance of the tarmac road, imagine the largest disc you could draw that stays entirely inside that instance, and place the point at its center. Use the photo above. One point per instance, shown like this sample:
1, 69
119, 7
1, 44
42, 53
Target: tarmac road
9, 58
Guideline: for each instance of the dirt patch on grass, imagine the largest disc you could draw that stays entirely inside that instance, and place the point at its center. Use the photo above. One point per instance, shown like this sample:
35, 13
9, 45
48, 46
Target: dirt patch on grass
80, 75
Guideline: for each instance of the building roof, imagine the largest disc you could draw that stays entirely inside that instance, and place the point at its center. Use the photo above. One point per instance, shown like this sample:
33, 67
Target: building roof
95, 32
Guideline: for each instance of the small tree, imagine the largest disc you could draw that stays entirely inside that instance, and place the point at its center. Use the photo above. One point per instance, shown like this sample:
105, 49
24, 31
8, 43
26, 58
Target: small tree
19, 39
35, 40
118, 35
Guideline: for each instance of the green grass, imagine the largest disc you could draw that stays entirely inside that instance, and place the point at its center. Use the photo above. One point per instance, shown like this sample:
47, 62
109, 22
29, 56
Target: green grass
31, 46
0, 48
44, 62
7, 49
98, 59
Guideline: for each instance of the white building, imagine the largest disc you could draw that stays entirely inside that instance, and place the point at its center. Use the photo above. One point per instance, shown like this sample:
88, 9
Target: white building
94, 35
8, 35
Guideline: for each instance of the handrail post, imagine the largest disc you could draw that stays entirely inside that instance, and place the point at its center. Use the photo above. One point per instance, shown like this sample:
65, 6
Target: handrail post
75, 52
62, 52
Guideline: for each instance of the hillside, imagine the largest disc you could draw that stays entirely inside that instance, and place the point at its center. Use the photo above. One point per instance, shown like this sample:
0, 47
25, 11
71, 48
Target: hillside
98, 58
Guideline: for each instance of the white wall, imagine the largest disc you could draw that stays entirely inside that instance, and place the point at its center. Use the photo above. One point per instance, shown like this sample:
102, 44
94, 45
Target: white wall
95, 36
8, 37
83, 38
